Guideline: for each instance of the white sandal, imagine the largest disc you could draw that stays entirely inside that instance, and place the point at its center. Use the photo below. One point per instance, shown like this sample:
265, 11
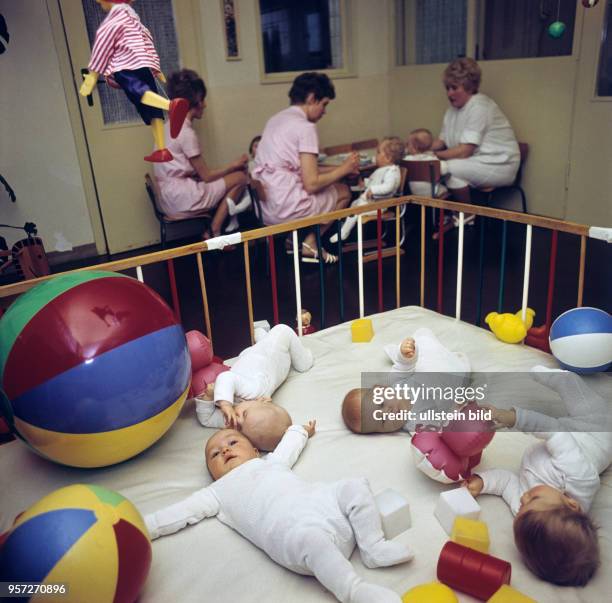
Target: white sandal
328, 258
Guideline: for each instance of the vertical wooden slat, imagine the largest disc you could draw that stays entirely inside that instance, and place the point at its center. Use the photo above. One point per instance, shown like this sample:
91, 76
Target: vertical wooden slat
321, 275
272, 262
298, 287
204, 295
551, 279
581, 270
526, 271
340, 270
440, 262
176, 305
379, 258
422, 287
360, 264
247, 273
139, 274
459, 266
398, 255
502, 267
482, 224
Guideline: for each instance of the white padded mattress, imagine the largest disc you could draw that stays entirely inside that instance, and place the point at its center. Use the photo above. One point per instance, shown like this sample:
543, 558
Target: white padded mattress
209, 562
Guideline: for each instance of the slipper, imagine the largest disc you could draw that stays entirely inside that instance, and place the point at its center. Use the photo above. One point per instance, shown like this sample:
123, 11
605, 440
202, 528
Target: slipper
328, 258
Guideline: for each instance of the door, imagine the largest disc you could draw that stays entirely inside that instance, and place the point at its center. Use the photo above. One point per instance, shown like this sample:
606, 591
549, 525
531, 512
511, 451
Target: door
117, 139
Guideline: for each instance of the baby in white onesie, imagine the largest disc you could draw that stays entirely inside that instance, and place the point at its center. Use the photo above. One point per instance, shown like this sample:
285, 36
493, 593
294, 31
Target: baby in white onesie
384, 182
420, 354
557, 481
240, 398
309, 528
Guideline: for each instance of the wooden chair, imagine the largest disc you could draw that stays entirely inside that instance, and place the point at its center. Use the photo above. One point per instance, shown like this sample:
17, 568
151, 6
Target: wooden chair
387, 217
490, 192
424, 171
164, 221
256, 190
362, 145
337, 149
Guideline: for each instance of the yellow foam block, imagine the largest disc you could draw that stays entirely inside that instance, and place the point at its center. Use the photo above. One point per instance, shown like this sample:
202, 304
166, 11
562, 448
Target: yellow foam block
507, 594
471, 533
362, 330
434, 592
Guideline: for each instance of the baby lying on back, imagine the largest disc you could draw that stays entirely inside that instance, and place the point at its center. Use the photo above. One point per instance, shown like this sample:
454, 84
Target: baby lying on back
309, 528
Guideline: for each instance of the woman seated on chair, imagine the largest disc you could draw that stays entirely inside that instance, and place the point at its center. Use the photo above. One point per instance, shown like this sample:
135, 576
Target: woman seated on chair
187, 185
295, 185
477, 146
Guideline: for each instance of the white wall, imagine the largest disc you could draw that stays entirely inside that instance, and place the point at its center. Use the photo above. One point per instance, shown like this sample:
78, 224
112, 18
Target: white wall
37, 150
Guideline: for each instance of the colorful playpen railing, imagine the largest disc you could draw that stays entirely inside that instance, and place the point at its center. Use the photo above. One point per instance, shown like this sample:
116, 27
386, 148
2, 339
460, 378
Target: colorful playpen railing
537, 336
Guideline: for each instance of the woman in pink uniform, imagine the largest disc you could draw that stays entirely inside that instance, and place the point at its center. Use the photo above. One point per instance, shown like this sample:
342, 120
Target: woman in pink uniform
286, 162
187, 185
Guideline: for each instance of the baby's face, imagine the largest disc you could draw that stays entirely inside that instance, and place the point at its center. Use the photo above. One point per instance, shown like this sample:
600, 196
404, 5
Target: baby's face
249, 411
226, 450
544, 498
381, 154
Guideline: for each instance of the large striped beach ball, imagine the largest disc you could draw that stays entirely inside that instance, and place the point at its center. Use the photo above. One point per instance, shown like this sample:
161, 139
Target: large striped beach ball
95, 367
86, 537
581, 340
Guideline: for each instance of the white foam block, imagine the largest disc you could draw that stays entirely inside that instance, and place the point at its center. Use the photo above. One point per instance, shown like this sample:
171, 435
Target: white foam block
453, 504
394, 512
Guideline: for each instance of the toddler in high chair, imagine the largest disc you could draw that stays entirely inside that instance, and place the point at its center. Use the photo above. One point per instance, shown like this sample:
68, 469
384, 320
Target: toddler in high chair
557, 481
383, 183
240, 398
245, 202
309, 528
419, 148
431, 364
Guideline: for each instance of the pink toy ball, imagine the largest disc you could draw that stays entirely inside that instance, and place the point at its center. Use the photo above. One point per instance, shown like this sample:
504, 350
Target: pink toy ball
200, 350
449, 456
208, 374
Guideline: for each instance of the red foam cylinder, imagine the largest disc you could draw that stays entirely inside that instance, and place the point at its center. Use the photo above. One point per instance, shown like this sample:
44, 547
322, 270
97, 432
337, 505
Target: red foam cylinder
201, 378
471, 571
200, 350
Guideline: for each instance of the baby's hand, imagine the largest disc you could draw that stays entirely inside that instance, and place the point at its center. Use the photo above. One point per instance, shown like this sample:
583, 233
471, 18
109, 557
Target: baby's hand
474, 484
229, 414
501, 418
407, 348
310, 428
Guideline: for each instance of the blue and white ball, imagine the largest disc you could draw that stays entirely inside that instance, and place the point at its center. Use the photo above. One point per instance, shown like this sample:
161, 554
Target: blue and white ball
581, 340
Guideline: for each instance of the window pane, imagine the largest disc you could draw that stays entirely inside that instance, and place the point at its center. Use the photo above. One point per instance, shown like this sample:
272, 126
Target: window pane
604, 75
301, 36
157, 16
519, 28
430, 31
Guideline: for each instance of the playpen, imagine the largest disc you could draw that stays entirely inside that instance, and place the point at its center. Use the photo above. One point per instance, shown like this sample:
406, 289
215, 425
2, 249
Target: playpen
193, 565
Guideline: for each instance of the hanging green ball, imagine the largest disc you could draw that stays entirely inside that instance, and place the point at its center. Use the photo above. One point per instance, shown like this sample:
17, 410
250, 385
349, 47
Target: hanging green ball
556, 29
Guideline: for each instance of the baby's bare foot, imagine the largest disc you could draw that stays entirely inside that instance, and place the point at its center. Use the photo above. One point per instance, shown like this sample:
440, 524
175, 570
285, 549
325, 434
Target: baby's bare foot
408, 348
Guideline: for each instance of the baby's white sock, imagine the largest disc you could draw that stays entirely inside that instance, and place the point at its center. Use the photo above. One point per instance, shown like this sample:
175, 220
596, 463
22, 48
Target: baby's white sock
386, 553
371, 593
231, 206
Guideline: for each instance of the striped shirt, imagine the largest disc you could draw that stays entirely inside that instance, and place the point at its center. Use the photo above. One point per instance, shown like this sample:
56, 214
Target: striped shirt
122, 42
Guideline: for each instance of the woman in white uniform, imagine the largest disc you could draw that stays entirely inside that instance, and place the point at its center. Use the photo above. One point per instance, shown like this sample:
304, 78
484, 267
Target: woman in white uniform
477, 146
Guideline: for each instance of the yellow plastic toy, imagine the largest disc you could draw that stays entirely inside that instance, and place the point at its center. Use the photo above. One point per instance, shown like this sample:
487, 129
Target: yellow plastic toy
507, 594
133, 72
472, 533
362, 330
510, 328
434, 592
